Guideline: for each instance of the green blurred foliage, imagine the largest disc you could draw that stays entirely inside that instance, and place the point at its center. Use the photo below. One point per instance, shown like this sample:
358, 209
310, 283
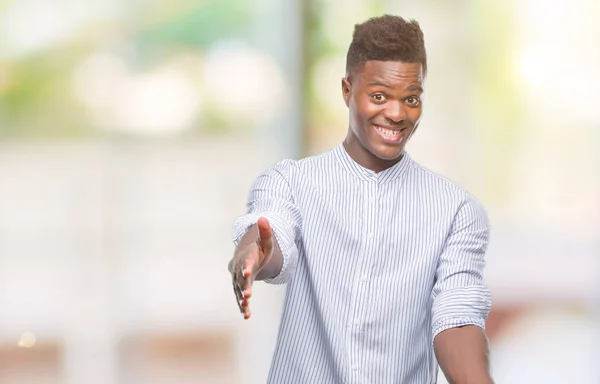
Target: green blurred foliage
36, 100
198, 26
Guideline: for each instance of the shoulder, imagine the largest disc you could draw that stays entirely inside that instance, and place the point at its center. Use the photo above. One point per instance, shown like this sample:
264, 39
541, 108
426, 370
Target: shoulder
440, 187
290, 168
321, 160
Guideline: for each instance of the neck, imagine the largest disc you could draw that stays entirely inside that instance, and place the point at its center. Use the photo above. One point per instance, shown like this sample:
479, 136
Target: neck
364, 157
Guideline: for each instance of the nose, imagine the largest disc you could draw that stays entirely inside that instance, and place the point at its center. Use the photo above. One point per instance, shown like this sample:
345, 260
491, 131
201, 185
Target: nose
395, 112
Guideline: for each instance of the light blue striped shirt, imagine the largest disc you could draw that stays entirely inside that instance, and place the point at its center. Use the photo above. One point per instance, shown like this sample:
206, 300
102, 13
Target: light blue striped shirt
377, 264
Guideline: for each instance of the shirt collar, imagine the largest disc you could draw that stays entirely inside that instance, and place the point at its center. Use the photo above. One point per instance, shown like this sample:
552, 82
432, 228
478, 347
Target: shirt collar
359, 171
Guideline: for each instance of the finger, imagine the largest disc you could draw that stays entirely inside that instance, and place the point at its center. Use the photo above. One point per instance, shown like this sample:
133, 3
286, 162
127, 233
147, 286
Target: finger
238, 300
246, 278
236, 289
238, 296
244, 305
247, 269
265, 236
245, 294
245, 308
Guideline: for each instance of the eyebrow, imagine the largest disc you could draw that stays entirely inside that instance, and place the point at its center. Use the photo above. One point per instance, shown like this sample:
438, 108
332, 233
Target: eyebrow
415, 88
386, 85
382, 84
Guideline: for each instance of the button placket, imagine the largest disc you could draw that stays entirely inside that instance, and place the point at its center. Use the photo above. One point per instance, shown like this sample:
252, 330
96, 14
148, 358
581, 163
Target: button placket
362, 274
370, 254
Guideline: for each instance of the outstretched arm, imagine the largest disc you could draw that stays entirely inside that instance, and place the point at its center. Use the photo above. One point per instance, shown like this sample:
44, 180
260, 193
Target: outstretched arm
266, 236
257, 257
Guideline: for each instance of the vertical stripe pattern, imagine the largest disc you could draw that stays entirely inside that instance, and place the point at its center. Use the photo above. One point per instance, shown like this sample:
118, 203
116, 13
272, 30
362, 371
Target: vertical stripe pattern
377, 264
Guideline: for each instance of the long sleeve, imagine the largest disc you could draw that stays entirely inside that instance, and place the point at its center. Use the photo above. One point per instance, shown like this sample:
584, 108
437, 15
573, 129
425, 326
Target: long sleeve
271, 196
459, 295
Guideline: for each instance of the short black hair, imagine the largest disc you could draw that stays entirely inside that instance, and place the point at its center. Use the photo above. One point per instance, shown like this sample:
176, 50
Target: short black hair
386, 38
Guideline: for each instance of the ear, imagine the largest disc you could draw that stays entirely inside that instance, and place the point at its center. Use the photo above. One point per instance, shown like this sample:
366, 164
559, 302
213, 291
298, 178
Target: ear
346, 90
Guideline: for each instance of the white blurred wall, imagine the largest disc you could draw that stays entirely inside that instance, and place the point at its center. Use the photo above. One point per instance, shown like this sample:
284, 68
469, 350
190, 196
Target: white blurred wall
101, 241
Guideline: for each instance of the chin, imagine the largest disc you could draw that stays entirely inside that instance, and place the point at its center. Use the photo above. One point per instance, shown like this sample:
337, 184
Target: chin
386, 152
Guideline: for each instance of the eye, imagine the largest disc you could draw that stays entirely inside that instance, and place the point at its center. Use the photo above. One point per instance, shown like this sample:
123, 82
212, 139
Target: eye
413, 101
378, 97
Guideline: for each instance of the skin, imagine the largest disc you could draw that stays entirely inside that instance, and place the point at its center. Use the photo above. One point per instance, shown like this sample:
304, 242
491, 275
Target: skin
257, 257
379, 94
382, 94
463, 355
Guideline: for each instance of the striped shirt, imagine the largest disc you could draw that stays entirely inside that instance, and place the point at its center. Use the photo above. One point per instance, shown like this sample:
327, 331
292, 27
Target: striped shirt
377, 264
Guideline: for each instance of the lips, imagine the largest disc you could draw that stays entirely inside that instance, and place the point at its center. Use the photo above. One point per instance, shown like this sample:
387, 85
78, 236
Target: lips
390, 135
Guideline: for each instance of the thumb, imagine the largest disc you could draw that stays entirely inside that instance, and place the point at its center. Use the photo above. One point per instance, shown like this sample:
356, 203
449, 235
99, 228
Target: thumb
265, 236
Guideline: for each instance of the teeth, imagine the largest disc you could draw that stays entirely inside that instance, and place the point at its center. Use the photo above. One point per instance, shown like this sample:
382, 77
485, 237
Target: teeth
388, 132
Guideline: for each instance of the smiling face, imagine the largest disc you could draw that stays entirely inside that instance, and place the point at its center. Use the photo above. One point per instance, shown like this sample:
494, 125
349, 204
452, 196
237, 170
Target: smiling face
384, 101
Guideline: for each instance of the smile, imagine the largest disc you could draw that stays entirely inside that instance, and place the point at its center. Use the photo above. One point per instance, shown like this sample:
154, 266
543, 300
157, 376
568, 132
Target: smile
390, 135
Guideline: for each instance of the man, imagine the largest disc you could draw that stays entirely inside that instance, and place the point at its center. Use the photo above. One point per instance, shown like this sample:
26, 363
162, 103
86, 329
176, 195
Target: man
383, 258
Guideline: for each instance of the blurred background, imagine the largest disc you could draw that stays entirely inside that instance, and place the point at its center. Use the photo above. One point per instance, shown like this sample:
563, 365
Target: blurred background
130, 132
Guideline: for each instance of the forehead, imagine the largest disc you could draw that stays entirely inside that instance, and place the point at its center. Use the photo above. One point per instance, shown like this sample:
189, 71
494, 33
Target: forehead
390, 72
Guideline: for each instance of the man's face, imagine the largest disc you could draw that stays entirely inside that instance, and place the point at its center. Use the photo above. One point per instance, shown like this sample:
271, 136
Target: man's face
384, 99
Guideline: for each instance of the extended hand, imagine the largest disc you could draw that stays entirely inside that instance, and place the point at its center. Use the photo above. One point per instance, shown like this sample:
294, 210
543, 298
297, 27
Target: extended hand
247, 261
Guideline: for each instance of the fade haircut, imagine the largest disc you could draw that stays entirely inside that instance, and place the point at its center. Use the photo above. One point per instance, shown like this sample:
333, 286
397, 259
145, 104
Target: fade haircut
386, 38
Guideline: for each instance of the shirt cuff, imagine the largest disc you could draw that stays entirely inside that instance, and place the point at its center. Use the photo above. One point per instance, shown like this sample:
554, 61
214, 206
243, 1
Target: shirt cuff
460, 306
455, 323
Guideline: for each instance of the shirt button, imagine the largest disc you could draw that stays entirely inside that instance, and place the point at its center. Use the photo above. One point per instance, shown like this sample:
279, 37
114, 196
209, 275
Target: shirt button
370, 235
364, 277
355, 367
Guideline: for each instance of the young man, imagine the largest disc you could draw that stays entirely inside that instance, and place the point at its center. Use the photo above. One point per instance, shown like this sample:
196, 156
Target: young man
383, 258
